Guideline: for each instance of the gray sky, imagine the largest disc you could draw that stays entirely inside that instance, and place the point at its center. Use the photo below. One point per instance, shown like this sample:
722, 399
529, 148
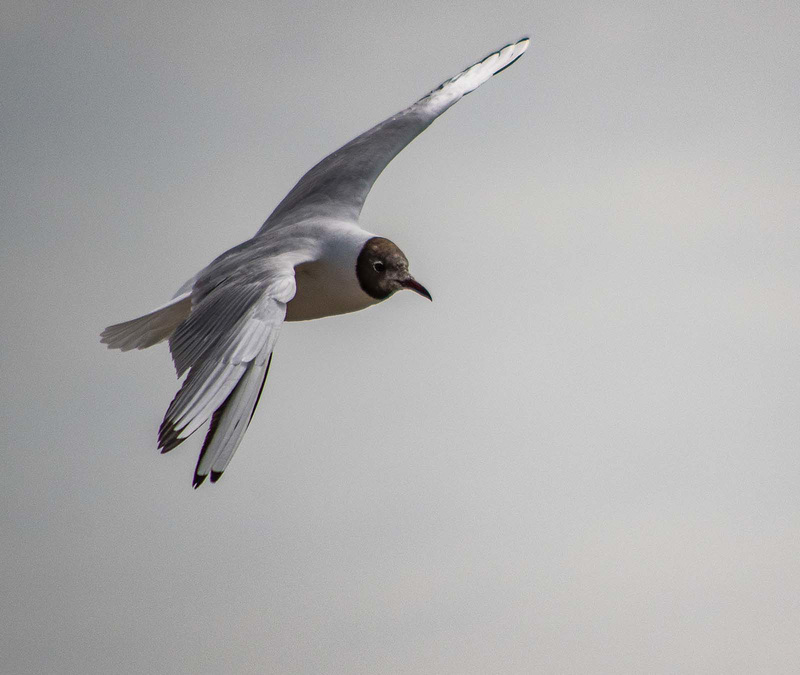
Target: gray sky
582, 457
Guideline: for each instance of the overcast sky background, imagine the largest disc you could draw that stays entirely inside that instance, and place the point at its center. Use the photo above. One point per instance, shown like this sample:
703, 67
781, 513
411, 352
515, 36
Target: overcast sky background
584, 456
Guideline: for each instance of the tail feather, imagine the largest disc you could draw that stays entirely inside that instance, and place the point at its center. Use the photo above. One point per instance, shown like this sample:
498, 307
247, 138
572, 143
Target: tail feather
150, 329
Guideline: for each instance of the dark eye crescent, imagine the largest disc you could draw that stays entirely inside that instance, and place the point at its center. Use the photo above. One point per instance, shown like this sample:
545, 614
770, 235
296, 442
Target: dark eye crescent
378, 266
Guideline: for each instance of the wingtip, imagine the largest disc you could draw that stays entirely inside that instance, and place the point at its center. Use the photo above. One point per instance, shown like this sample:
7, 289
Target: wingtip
197, 481
168, 437
522, 45
519, 48
215, 476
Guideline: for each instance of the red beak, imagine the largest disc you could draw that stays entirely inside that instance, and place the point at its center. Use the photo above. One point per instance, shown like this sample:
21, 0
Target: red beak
413, 285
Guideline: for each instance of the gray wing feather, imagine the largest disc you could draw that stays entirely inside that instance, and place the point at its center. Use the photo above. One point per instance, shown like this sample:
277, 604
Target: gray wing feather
214, 324
225, 344
231, 420
193, 406
338, 186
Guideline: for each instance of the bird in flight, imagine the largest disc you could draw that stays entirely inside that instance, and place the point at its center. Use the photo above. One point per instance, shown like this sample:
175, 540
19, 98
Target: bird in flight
310, 259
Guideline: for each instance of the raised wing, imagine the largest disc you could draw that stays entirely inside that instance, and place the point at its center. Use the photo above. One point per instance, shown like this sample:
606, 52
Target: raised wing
226, 344
339, 184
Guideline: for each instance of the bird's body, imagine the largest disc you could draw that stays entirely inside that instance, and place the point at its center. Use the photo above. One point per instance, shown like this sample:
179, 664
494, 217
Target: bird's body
326, 285
310, 259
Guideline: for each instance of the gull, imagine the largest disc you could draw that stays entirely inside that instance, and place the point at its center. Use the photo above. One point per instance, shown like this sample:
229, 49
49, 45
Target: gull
310, 259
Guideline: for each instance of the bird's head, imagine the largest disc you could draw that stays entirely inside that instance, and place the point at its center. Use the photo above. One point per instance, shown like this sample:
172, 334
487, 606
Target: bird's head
382, 269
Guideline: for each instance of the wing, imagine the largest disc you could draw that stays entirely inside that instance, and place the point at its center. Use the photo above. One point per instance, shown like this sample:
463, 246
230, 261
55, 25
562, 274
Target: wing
339, 184
226, 344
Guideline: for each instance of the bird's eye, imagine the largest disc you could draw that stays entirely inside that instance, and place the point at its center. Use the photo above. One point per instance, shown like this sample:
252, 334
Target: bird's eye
378, 266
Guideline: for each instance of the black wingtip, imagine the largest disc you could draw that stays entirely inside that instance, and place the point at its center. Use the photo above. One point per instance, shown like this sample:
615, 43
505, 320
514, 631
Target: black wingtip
215, 476
197, 481
168, 438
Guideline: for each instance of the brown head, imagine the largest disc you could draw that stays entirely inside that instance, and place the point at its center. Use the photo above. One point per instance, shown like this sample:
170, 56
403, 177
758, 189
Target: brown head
382, 269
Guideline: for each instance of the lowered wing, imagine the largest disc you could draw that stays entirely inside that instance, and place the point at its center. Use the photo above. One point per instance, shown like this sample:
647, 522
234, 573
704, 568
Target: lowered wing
226, 344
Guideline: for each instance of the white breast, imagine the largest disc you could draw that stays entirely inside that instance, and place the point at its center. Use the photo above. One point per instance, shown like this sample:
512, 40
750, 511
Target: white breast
329, 285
